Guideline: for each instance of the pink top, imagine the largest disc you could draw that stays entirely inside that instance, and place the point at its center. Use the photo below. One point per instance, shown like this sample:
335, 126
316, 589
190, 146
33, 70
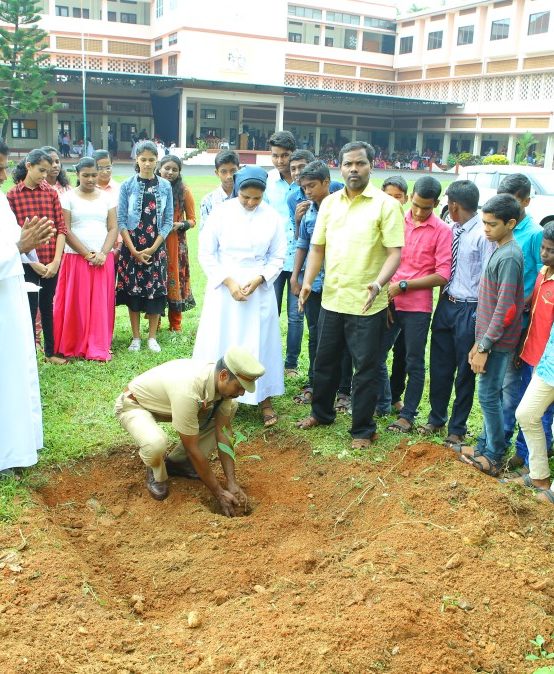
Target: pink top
427, 250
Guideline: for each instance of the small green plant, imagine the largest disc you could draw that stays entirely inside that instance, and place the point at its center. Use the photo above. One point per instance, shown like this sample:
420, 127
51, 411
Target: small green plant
540, 652
233, 440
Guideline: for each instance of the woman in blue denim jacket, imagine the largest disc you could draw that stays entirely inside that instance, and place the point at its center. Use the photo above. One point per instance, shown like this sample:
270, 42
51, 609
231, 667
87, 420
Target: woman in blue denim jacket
144, 218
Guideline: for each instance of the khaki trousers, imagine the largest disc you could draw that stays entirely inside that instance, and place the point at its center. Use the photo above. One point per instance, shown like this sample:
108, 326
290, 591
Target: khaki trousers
538, 396
153, 441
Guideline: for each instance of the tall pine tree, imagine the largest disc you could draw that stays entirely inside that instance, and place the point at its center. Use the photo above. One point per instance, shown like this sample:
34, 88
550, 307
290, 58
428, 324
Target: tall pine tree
24, 74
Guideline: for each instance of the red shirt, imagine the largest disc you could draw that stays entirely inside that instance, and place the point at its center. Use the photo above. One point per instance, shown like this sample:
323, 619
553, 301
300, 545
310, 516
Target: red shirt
44, 202
542, 317
427, 250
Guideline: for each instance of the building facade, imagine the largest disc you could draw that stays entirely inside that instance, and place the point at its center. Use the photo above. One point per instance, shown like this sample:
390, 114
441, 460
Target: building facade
328, 71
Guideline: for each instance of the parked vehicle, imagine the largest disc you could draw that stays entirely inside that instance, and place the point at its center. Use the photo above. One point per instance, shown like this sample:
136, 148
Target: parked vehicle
488, 178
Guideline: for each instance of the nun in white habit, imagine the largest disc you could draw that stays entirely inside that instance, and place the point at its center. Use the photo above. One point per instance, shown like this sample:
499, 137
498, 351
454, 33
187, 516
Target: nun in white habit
242, 249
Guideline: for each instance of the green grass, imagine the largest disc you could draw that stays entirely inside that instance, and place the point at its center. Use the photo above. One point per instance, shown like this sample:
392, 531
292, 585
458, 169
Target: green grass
78, 399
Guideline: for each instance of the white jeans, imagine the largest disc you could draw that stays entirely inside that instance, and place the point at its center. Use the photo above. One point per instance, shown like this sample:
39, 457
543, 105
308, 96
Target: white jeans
538, 396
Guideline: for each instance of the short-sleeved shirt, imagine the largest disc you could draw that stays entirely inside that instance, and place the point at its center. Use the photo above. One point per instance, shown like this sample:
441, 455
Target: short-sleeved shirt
542, 318
182, 391
307, 226
428, 250
356, 233
545, 368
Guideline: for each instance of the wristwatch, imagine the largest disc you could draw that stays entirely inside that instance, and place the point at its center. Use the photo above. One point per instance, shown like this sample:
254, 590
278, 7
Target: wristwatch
481, 349
403, 285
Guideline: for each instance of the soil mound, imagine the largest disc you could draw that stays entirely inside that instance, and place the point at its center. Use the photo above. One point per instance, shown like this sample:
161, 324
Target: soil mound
414, 566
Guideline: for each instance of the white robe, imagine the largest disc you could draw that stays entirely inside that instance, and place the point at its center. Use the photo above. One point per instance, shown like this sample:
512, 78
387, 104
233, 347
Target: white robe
20, 410
241, 244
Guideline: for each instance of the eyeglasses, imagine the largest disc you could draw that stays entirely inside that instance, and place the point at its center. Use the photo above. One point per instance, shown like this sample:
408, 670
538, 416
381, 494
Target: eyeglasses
106, 169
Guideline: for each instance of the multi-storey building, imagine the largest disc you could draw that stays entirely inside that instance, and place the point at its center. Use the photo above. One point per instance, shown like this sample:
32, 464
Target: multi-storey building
467, 77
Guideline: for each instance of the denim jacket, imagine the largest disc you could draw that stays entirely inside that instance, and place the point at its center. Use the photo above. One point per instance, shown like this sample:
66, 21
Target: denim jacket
130, 205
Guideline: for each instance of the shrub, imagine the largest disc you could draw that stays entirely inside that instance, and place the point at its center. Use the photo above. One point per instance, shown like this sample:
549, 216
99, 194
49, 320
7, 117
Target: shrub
452, 160
496, 159
468, 159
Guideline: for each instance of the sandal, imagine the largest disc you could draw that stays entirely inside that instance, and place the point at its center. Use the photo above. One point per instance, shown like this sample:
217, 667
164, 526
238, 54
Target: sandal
364, 443
548, 495
490, 468
398, 427
291, 372
269, 418
459, 447
343, 402
453, 439
429, 429
523, 480
304, 397
307, 423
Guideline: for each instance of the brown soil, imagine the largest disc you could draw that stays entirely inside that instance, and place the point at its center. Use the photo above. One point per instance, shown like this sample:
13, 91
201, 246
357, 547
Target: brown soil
415, 566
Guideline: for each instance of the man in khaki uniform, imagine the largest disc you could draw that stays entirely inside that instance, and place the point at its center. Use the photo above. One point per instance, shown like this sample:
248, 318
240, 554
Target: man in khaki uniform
198, 399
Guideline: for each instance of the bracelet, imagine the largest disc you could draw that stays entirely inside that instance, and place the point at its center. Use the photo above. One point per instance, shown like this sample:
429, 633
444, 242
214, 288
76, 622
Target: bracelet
185, 226
379, 286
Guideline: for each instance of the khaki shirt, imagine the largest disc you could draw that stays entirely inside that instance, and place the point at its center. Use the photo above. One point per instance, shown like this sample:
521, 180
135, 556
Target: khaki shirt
355, 233
181, 391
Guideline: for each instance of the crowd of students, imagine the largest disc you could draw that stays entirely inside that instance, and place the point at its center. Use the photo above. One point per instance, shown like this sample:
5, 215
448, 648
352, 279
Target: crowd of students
360, 270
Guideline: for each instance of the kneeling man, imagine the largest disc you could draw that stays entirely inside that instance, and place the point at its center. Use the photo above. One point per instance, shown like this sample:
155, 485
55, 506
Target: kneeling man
198, 399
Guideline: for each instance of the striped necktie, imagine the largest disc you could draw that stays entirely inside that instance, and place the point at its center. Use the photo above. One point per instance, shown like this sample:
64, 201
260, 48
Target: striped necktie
455, 246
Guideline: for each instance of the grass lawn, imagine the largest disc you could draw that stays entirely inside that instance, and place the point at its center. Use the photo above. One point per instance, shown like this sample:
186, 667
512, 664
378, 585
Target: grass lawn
78, 398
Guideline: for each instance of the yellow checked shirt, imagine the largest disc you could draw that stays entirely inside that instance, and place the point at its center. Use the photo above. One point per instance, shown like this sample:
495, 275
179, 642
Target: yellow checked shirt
355, 233
181, 391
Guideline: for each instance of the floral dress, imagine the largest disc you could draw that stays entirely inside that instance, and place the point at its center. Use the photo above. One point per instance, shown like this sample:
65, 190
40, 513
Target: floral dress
143, 287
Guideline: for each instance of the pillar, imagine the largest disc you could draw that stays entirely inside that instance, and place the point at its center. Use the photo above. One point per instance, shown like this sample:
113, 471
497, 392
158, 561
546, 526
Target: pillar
549, 151
392, 141
317, 139
104, 10
279, 115
477, 144
104, 131
53, 131
355, 127
197, 121
182, 140
446, 147
419, 142
241, 120
511, 151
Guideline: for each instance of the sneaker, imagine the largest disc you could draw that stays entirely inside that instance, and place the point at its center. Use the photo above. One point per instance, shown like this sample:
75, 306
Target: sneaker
135, 344
153, 345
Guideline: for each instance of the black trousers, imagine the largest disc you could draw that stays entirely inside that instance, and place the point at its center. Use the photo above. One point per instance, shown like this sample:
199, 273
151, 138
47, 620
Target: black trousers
43, 300
452, 337
363, 336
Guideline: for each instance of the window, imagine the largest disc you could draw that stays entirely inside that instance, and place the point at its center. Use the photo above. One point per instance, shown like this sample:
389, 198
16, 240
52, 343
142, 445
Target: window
62, 11
209, 113
329, 42
295, 37
350, 39
127, 17
306, 12
500, 29
434, 40
538, 23
159, 8
158, 44
158, 63
112, 16
371, 22
172, 64
465, 34
172, 39
127, 130
79, 13
341, 17
406, 45
24, 128
64, 127
316, 39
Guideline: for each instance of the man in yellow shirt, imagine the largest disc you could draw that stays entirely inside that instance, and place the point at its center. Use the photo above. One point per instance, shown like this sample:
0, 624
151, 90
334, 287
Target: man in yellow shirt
359, 235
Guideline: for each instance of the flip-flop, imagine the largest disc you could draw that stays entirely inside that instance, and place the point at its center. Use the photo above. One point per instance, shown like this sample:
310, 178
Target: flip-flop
364, 443
397, 427
304, 397
429, 429
343, 402
492, 469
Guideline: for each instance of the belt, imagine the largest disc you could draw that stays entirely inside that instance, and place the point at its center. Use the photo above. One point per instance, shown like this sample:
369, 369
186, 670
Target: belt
455, 299
130, 395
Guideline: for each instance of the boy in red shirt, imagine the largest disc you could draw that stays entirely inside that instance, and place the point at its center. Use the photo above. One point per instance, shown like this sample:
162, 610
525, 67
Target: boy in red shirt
425, 263
540, 324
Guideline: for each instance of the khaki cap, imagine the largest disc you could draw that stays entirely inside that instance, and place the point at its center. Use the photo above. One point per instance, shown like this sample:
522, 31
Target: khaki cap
244, 366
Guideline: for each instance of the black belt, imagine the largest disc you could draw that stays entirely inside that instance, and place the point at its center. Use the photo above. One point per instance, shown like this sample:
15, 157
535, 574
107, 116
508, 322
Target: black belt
455, 299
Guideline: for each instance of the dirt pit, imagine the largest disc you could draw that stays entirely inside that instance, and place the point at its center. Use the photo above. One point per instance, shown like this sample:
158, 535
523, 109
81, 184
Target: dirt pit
414, 566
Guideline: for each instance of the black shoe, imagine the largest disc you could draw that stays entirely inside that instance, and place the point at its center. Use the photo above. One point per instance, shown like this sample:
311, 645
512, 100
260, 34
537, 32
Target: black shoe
158, 490
181, 469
